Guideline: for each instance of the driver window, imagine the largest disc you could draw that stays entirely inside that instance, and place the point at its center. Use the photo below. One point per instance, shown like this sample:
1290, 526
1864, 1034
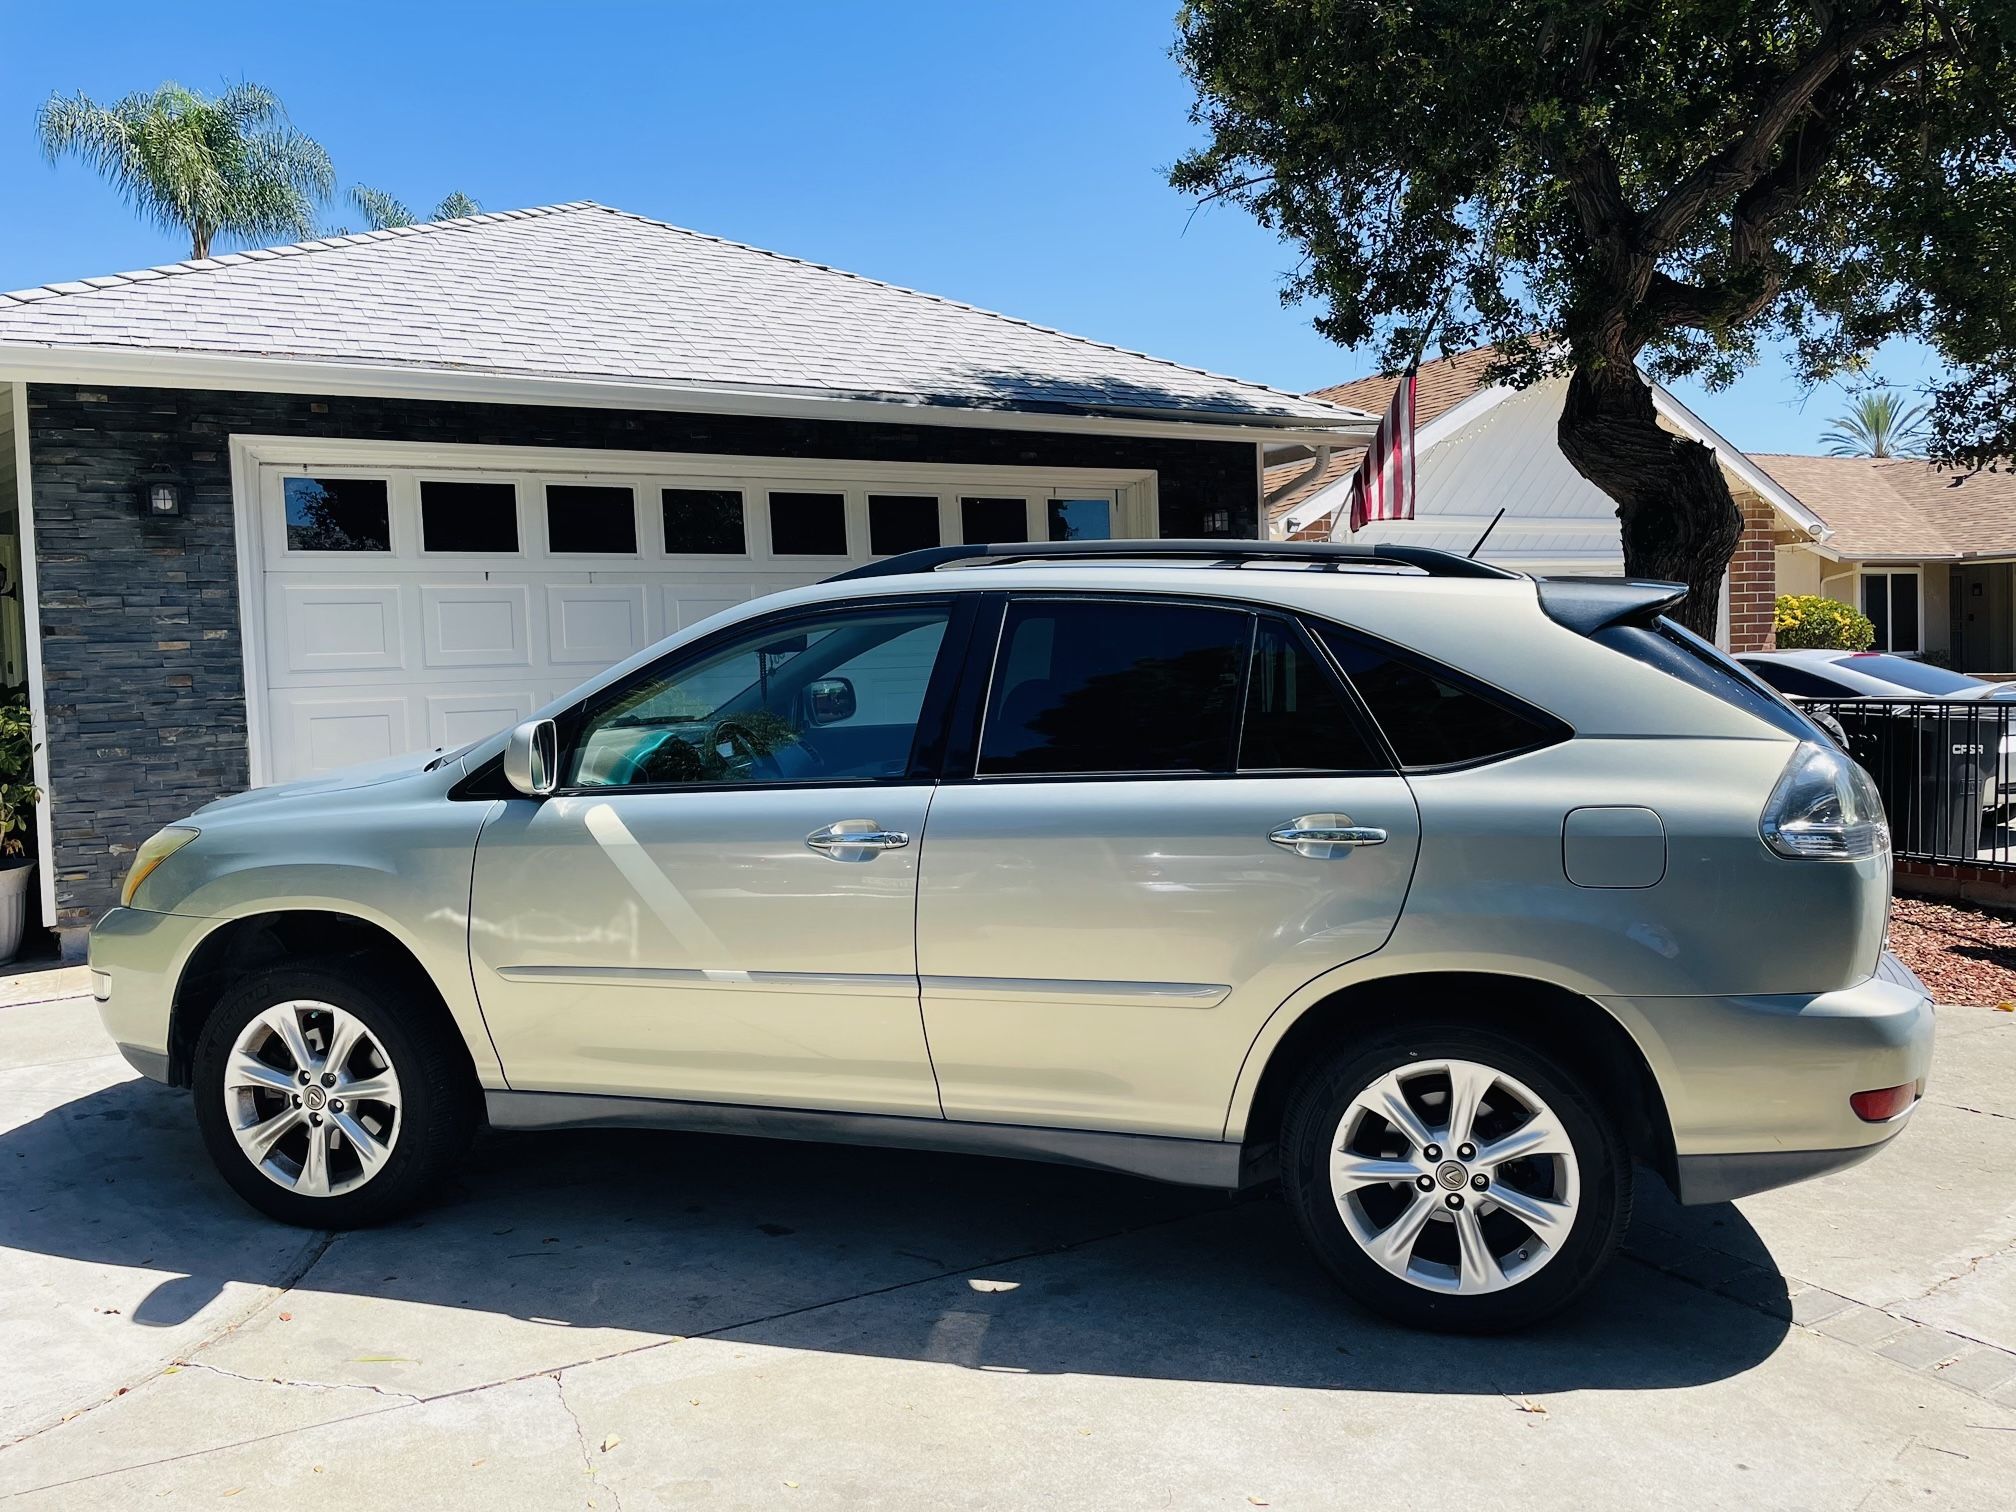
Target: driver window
815, 700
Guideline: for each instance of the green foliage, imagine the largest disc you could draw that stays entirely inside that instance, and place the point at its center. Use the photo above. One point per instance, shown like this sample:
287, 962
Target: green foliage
18, 793
225, 166
382, 211
1676, 182
1878, 424
1806, 621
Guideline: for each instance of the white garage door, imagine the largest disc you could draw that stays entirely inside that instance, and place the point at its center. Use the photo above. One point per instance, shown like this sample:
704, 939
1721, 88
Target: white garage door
415, 598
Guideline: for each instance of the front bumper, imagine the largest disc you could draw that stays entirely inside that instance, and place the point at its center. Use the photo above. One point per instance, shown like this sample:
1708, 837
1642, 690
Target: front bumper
136, 959
1757, 1088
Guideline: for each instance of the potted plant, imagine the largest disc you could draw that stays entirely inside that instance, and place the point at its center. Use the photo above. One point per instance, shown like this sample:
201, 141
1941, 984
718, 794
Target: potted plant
18, 797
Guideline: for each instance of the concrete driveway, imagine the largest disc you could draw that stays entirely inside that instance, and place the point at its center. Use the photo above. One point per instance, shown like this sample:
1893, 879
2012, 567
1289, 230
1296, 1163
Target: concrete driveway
623, 1321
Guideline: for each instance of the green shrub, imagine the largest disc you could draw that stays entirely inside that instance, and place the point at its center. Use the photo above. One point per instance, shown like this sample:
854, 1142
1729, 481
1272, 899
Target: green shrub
18, 793
1807, 621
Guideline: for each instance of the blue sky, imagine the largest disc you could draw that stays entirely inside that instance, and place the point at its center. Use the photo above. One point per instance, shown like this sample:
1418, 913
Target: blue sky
1012, 155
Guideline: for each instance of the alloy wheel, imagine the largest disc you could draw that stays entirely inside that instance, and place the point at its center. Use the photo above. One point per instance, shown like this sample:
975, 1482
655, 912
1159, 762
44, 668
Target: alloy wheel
1454, 1176
312, 1098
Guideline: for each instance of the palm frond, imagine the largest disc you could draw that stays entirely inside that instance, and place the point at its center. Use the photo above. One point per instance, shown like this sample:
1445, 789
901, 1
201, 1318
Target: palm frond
380, 210
455, 206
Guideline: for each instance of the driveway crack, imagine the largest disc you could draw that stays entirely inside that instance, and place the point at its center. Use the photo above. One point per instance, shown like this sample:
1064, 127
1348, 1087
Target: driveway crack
581, 1438
397, 1396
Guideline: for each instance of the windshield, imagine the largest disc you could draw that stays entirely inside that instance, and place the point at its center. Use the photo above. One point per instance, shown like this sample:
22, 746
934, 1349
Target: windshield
1920, 677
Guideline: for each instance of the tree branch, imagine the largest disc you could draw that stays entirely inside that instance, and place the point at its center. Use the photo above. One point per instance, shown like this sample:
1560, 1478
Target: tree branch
1740, 164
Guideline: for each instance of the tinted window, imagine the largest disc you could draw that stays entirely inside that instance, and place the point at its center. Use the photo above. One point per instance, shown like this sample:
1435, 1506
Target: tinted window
703, 521
1298, 716
812, 701
337, 514
1087, 686
1431, 719
588, 518
468, 516
901, 522
808, 524
982, 522
1915, 675
1799, 682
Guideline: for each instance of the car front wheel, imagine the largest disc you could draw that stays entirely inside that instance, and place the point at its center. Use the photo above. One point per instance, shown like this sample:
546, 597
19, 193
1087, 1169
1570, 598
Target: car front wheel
327, 1097
1454, 1178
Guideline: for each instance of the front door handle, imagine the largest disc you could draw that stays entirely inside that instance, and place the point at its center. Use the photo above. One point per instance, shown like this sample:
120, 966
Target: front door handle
855, 840
1323, 836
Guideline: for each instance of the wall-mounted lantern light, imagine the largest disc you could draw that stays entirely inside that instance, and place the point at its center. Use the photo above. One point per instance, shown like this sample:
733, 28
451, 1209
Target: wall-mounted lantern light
160, 497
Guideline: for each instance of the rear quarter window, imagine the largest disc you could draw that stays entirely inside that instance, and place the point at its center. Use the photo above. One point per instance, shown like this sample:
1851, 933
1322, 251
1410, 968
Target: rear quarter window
1433, 716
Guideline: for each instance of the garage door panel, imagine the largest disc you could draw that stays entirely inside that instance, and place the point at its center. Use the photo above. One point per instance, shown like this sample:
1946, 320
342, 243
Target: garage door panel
455, 719
476, 625
346, 627
594, 624
326, 734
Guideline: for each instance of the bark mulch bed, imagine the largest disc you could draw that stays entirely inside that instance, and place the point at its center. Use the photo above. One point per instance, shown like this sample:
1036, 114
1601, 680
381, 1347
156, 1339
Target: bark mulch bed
1963, 954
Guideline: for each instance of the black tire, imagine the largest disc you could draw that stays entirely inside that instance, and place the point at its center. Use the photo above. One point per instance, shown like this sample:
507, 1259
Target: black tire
440, 1104
1318, 1106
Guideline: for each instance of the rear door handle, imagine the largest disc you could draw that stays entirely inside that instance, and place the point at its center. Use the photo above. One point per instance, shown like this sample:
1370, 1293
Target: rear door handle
1324, 836
855, 840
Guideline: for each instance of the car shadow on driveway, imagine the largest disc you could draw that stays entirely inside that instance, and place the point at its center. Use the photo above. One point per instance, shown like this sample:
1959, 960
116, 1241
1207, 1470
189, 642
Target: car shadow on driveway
898, 1254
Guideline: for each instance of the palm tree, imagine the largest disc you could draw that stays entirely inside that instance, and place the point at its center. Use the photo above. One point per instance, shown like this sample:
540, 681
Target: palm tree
382, 212
228, 166
1878, 424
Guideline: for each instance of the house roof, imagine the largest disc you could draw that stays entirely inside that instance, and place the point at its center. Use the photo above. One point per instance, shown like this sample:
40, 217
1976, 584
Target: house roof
1903, 508
584, 291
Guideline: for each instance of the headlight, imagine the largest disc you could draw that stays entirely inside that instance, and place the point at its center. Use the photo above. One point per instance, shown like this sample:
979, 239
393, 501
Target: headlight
156, 849
1825, 808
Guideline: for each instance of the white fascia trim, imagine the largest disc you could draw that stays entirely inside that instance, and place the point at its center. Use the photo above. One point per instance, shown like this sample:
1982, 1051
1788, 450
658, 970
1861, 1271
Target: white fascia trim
31, 626
138, 368
1766, 487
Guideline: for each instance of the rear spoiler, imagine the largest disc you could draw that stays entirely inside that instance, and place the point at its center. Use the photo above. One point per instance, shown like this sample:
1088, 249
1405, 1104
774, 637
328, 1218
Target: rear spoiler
1589, 604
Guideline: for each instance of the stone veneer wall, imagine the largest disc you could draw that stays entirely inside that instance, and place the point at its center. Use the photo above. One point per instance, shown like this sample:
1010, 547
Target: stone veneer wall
142, 664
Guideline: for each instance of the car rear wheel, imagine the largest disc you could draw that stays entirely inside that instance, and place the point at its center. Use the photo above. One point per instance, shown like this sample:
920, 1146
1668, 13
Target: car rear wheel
1451, 1177
327, 1097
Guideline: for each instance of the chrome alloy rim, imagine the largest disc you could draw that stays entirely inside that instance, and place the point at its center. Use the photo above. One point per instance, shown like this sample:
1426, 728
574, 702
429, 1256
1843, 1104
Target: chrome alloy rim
1454, 1176
312, 1098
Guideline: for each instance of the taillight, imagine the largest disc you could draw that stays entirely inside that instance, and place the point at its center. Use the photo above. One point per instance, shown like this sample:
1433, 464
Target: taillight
1824, 808
1885, 1103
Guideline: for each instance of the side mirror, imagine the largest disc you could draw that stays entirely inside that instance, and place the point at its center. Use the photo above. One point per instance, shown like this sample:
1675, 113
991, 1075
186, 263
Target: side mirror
532, 758
829, 700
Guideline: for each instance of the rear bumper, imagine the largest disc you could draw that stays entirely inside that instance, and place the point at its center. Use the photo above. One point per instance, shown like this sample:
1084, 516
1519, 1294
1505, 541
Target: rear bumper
1757, 1088
136, 959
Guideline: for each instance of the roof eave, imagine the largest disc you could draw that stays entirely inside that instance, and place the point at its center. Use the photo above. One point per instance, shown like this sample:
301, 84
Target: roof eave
146, 367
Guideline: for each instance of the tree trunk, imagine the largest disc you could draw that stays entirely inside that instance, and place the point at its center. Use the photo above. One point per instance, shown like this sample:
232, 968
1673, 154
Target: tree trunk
1680, 523
199, 242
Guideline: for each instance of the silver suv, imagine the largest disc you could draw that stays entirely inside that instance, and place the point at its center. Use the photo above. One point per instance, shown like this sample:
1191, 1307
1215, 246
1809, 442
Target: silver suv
1439, 894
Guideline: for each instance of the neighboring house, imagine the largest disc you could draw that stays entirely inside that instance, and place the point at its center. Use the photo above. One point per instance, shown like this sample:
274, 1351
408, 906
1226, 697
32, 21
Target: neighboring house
1929, 556
1484, 447
285, 510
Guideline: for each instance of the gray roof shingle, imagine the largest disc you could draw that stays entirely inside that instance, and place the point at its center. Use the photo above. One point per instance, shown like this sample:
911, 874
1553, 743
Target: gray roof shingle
588, 292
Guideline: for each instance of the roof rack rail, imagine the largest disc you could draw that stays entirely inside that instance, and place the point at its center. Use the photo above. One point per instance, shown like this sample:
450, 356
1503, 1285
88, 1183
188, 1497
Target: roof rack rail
1229, 553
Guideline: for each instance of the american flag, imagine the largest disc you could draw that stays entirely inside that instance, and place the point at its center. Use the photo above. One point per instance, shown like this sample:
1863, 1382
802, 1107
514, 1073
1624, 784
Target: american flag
1383, 486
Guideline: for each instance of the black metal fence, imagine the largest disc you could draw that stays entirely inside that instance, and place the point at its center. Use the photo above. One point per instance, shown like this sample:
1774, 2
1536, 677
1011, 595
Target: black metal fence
1946, 769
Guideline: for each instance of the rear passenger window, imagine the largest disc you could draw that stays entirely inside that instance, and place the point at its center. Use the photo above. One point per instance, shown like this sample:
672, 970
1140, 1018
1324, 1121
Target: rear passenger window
1432, 720
1087, 686
1298, 716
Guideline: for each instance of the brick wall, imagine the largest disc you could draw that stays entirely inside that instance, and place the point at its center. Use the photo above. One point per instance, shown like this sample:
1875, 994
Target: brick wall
1753, 578
142, 664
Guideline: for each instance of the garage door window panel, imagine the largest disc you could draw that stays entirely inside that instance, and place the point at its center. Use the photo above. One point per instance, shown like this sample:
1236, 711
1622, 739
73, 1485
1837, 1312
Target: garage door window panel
808, 524
337, 514
832, 699
1088, 687
703, 522
901, 522
467, 518
986, 521
590, 520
